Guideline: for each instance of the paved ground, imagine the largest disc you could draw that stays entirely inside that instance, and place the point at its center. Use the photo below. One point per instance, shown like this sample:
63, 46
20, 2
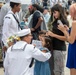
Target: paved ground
66, 71
1, 71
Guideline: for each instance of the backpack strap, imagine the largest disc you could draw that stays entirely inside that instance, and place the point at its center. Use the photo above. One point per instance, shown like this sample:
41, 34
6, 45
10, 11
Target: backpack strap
18, 49
17, 21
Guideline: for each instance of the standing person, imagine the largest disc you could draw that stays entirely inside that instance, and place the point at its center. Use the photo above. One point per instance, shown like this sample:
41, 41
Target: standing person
11, 25
58, 39
19, 56
36, 21
3, 11
46, 15
45, 3
43, 68
5, 8
71, 60
28, 15
1, 4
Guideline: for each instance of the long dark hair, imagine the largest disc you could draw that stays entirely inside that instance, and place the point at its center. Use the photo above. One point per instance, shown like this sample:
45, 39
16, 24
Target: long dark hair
61, 10
48, 42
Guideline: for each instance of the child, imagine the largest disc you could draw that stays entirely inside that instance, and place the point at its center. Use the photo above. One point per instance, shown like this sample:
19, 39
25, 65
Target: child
43, 68
42, 33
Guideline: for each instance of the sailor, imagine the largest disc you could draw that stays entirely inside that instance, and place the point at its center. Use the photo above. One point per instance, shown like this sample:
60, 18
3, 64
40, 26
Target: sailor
19, 55
11, 20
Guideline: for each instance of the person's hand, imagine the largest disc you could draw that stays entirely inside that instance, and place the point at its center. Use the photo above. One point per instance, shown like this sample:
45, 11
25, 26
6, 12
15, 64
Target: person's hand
67, 28
32, 29
25, 27
25, 20
63, 28
44, 51
49, 33
4, 48
34, 45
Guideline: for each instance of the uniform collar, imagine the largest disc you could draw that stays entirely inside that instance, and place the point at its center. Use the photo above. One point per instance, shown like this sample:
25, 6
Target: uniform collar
11, 12
19, 45
22, 42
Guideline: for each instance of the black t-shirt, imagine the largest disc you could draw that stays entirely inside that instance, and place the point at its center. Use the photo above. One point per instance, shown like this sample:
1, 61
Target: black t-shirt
36, 16
58, 44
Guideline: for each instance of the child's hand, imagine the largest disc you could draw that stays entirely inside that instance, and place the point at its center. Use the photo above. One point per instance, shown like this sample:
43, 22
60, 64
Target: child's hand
44, 51
25, 20
34, 45
26, 27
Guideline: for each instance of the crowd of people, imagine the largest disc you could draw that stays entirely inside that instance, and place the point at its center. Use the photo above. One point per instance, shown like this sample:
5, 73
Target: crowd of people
49, 26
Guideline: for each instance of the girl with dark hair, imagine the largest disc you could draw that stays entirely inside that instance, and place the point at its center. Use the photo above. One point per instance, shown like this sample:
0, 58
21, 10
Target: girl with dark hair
47, 43
58, 38
43, 68
61, 10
